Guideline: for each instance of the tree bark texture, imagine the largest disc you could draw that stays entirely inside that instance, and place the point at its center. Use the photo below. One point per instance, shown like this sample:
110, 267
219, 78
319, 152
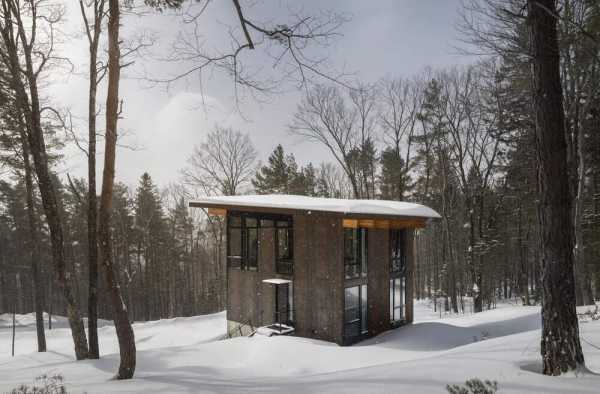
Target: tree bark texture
13, 32
560, 346
123, 327
38, 284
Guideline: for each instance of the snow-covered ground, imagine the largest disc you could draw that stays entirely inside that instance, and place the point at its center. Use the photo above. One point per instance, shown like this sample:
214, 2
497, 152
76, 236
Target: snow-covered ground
185, 355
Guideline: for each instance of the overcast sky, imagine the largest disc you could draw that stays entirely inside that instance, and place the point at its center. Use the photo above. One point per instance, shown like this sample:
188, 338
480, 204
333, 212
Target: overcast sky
384, 38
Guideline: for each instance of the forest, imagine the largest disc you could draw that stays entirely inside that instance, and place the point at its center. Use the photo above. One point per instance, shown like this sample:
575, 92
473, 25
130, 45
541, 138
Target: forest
460, 139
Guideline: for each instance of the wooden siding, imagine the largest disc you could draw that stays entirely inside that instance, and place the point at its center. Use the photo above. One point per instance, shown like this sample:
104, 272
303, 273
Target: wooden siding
249, 299
384, 224
378, 274
318, 276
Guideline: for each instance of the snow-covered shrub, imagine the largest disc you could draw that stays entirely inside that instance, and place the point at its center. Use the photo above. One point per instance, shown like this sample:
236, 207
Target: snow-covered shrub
474, 386
44, 384
589, 315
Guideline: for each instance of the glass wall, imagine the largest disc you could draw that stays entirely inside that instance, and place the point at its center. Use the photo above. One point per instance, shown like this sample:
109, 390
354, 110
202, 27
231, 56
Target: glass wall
284, 242
243, 240
355, 252
355, 312
397, 301
397, 276
284, 310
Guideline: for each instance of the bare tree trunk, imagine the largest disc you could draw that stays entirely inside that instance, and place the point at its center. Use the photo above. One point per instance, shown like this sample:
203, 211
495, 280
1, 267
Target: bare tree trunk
122, 325
29, 105
582, 275
38, 286
522, 272
560, 346
92, 214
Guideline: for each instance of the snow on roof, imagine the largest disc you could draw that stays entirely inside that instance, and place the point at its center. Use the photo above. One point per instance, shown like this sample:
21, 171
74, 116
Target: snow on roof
277, 281
305, 203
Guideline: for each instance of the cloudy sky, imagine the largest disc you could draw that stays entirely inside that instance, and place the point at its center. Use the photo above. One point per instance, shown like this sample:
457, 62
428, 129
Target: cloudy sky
162, 123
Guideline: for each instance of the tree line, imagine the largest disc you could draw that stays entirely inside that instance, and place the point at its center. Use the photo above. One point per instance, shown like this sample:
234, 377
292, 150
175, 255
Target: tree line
163, 252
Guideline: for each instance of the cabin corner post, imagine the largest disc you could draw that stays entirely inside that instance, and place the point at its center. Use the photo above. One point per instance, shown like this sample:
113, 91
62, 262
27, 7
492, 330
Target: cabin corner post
410, 274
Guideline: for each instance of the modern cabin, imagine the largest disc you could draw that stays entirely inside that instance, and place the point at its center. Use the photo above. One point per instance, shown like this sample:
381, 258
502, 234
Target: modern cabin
331, 269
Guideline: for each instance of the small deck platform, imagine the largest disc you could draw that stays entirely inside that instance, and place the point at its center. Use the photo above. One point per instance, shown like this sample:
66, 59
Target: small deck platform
275, 329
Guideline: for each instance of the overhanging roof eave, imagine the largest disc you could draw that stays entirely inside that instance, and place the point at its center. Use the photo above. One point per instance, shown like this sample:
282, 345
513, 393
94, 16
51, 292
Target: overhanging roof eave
303, 211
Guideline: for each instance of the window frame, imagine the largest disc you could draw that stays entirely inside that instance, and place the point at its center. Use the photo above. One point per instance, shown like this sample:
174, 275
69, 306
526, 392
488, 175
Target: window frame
235, 261
359, 260
251, 261
248, 223
362, 312
397, 277
284, 264
398, 305
289, 307
398, 252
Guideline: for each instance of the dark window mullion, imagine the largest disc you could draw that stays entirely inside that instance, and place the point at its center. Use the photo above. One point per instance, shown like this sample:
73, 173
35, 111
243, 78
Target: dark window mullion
244, 261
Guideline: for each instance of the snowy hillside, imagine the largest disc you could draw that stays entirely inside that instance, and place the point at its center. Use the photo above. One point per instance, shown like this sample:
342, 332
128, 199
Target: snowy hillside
185, 355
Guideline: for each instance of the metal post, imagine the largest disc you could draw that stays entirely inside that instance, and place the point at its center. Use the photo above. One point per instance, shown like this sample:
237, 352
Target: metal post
277, 320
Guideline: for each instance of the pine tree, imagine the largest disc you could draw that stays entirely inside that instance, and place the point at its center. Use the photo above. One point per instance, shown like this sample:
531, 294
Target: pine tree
277, 176
394, 181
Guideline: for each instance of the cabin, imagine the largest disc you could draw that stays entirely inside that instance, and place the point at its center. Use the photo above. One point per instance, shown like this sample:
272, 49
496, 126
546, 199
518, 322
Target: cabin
330, 269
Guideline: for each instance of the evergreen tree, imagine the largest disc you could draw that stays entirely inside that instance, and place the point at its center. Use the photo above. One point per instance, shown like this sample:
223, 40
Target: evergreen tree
149, 227
278, 175
394, 181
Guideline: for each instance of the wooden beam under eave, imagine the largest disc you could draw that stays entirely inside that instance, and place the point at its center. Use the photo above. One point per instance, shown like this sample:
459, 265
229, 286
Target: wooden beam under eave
384, 224
217, 212
350, 223
402, 224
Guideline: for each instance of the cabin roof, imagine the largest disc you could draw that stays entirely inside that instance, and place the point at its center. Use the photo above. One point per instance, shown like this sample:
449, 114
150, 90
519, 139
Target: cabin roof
291, 203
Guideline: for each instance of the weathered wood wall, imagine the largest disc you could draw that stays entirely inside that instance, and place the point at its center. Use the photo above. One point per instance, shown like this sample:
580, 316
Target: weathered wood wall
378, 314
318, 276
249, 300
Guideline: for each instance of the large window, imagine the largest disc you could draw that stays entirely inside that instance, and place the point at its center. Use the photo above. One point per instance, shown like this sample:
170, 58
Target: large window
243, 235
397, 276
251, 244
398, 257
284, 308
397, 301
235, 240
242, 241
284, 247
355, 252
355, 312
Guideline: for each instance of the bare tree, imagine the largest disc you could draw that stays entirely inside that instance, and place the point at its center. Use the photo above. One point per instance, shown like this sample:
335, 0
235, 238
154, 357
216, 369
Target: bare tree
364, 105
28, 49
123, 327
290, 44
401, 102
324, 117
224, 164
13, 128
93, 31
332, 182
